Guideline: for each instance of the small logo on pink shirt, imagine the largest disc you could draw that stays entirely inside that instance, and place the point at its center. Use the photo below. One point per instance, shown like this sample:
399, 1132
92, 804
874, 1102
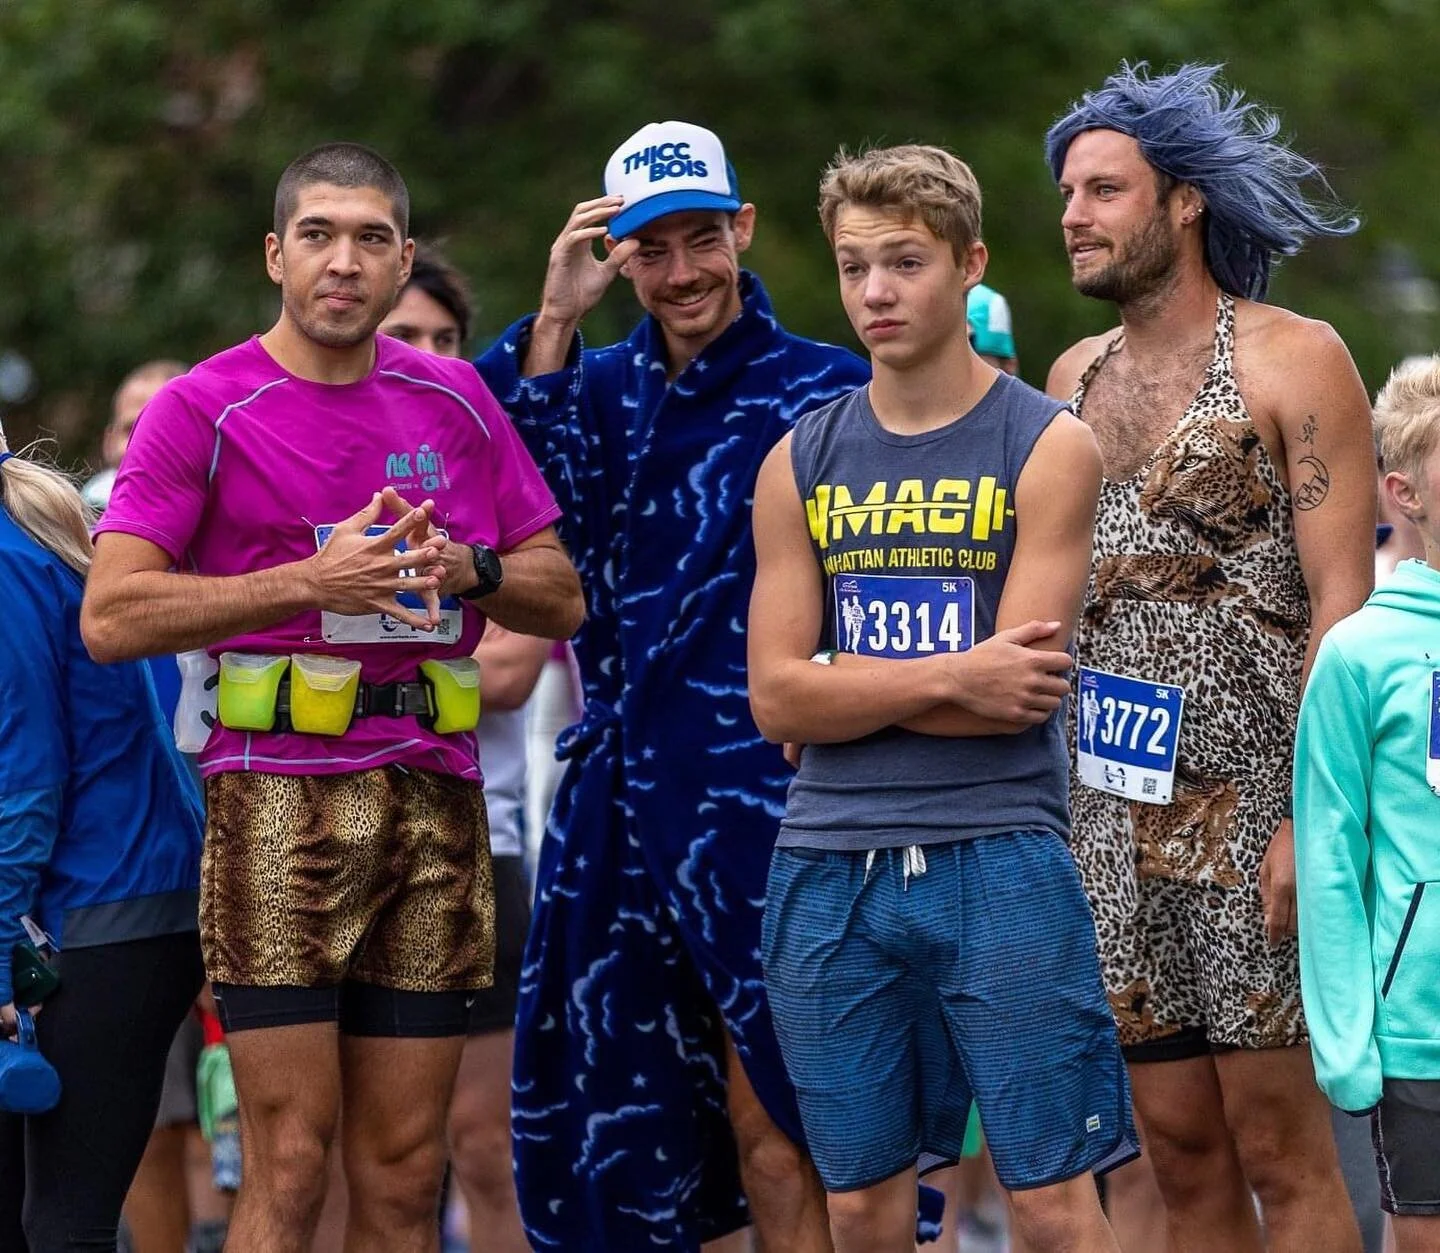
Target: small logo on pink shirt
425, 469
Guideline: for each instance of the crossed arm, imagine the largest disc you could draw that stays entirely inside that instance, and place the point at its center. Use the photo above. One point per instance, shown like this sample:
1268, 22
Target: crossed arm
136, 606
1010, 681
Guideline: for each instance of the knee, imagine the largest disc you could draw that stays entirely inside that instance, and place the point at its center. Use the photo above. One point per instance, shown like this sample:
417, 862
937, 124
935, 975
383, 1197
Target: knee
398, 1186
1189, 1156
480, 1153
1059, 1217
287, 1165
865, 1220
770, 1160
1275, 1164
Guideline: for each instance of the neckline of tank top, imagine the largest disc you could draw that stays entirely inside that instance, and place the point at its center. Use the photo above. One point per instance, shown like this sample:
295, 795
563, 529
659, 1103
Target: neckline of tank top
982, 408
1209, 379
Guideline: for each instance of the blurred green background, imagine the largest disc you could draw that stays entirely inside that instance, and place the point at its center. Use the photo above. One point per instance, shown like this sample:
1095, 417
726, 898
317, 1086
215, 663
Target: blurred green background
140, 142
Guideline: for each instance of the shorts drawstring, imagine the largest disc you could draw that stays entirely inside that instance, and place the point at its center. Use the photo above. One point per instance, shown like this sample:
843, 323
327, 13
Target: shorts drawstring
912, 864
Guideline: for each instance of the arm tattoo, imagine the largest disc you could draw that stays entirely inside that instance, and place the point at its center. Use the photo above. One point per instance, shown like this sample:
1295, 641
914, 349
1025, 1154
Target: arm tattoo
1311, 493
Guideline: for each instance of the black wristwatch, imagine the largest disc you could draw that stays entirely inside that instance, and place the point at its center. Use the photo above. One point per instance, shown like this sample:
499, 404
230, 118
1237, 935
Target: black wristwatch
488, 572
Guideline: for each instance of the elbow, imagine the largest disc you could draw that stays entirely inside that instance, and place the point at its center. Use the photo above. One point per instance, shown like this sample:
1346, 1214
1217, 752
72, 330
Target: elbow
98, 631
575, 614
770, 713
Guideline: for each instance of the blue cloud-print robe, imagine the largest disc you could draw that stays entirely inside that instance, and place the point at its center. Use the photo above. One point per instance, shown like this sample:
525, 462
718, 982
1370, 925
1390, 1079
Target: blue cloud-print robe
652, 874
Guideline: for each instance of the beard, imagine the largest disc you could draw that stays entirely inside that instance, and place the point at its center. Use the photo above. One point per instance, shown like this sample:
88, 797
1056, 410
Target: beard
1145, 265
330, 332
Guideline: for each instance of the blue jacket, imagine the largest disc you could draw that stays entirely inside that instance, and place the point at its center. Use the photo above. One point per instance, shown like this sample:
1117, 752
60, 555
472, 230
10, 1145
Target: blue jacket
100, 825
666, 818
1367, 843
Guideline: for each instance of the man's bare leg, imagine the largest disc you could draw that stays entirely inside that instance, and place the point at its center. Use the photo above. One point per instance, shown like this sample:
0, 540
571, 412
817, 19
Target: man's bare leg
1135, 1208
1207, 1200
1061, 1218
480, 1143
877, 1219
396, 1101
736, 1242
787, 1200
287, 1080
157, 1207
1416, 1234
1281, 1125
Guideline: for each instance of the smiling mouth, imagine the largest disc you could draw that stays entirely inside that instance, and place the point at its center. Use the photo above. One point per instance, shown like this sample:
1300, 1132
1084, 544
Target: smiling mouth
1084, 250
688, 302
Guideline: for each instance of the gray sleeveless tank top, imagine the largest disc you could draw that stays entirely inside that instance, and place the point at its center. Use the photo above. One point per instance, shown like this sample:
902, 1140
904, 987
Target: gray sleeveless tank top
915, 535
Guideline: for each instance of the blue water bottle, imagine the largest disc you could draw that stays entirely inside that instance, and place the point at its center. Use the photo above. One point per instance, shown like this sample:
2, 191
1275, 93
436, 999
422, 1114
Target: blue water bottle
28, 1083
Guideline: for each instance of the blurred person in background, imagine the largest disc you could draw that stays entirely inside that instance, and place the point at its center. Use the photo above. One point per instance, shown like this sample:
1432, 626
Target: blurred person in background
130, 397
992, 333
100, 834
172, 1199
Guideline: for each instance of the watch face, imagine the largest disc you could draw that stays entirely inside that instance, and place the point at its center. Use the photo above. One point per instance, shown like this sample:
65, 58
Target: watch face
488, 571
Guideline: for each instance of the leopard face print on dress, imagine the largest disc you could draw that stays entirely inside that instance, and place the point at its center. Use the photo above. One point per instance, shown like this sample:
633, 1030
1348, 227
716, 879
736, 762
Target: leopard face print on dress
1196, 581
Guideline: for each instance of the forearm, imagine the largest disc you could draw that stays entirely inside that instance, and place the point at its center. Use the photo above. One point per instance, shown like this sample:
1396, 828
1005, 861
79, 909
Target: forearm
956, 722
1326, 609
549, 347
540, 595
800, 701
149, 612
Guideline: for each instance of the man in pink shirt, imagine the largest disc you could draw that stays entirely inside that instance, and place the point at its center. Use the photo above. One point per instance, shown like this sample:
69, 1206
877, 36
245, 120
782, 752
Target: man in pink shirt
347, 910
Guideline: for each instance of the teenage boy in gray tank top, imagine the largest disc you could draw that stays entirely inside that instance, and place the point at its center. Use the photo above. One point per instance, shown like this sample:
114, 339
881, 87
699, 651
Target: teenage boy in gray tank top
926, 936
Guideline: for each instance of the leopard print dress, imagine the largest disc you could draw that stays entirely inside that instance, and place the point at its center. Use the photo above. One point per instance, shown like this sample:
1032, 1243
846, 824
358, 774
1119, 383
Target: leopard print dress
1196, 582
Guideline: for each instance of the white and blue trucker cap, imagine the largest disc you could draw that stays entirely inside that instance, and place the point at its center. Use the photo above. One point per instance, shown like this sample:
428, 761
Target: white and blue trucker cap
668, 167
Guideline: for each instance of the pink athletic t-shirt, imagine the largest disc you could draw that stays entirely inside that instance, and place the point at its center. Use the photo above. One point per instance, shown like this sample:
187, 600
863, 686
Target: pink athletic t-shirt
239, 466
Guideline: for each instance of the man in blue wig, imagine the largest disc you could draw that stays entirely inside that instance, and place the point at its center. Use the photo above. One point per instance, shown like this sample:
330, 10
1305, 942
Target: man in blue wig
645, 1056
1234, 529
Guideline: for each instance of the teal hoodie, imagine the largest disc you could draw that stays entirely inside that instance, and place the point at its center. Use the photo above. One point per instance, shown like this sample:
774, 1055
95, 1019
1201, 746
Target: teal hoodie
1367, 843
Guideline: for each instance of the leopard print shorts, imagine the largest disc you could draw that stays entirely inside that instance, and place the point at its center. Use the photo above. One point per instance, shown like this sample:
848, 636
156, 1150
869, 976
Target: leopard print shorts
382, 876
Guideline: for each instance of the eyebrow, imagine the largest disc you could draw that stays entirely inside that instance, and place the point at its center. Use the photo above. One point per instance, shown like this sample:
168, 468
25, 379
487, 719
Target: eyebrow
909, 240
317, 219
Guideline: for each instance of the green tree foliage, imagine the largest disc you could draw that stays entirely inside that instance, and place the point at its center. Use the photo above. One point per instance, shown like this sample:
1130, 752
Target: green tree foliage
140, 142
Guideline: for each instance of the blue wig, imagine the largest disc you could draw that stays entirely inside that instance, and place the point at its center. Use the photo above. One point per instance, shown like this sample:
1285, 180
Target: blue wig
1188, 127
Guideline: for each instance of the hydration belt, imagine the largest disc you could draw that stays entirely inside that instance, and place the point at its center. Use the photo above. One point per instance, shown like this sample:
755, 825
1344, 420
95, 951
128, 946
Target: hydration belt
315, 694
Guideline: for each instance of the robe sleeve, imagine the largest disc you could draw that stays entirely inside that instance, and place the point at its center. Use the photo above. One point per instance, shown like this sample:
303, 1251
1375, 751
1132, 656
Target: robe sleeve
551, 412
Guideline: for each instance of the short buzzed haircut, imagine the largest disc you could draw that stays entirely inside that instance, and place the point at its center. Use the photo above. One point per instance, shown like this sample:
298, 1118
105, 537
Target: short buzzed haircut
912, 180
340, 165
1407, 416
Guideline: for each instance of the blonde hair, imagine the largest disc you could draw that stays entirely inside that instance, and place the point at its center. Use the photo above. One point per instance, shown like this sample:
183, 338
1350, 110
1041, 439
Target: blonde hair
1407, 415
916, 181
45, 504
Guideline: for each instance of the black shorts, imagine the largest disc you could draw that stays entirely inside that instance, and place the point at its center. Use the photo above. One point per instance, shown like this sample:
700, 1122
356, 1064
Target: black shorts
494, 1007
1406, 1130
360, 1009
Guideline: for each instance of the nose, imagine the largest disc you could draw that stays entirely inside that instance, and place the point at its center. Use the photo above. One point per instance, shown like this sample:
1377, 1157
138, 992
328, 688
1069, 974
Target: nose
681, 270
878, 289
1076, 213
344, 256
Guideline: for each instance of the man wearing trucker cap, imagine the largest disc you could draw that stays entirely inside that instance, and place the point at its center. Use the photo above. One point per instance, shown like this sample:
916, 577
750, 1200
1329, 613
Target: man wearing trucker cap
645, 1056
347, 911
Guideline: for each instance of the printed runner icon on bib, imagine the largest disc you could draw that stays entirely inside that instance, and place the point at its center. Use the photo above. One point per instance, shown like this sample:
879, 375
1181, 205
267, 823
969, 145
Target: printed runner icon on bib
1127, 732
381, 628
1432, 756
885, 615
